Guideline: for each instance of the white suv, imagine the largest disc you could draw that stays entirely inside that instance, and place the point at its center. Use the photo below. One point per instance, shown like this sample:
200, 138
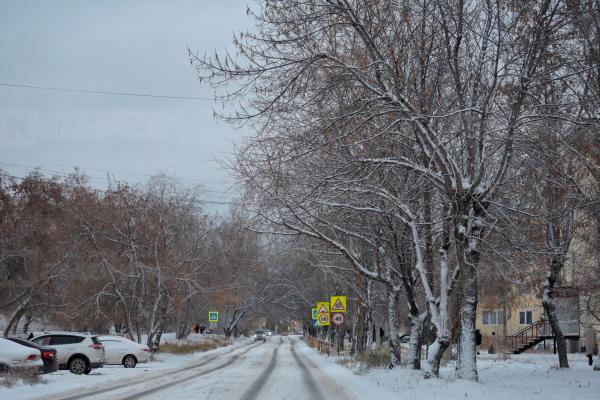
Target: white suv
120, 350
78, 352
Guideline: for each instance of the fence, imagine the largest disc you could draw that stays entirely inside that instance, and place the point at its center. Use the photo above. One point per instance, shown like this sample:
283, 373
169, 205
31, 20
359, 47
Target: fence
326, 347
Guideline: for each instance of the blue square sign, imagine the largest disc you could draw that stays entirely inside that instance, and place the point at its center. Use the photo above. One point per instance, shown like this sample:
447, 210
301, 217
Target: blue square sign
213, 316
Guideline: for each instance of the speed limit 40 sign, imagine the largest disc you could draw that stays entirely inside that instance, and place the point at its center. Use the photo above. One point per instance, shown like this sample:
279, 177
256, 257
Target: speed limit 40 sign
338, 318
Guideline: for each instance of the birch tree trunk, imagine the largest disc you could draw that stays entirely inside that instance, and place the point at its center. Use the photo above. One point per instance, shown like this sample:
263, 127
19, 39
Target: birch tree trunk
369, 320
355, 319
440, 317
417, 326
466, 367
551, 314
394, 339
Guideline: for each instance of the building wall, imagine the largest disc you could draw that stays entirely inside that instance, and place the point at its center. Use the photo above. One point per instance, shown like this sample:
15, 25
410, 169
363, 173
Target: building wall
512, 306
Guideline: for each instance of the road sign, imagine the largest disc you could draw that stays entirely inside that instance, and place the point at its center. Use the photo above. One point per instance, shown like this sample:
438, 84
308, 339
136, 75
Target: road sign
213, 316
315, 322
314, 313
338, 304
337, 318
323, 320
322, 307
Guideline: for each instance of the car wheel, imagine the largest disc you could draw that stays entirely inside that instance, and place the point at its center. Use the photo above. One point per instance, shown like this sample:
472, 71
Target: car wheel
78, 365
129, 361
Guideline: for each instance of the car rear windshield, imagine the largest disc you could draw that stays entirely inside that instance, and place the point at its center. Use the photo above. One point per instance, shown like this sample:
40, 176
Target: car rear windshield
96, 340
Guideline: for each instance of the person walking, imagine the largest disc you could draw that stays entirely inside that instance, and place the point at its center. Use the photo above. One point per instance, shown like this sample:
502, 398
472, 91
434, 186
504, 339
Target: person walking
591, 346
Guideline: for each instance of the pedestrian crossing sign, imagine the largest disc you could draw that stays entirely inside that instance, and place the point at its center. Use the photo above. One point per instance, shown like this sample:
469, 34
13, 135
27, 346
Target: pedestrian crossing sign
213, 316
338, 304
322, 307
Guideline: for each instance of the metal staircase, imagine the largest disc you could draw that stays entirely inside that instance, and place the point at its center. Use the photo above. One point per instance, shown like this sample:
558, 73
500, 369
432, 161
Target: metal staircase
529, 336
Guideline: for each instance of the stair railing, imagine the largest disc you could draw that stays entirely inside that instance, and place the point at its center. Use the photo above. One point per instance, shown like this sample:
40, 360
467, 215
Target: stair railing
534, 331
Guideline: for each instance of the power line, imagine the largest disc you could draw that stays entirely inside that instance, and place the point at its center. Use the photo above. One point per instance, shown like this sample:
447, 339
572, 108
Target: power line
106, 92
104, 170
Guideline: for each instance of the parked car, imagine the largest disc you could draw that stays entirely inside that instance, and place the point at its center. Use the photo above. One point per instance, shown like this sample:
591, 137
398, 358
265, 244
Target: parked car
48, 354
120, 350
260, 335
77, 352
14, 356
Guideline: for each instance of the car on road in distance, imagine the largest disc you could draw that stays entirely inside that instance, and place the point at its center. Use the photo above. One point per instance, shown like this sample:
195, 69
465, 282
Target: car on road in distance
260, 335
268, 332
77, 352
48, 354
14, 356
120, 350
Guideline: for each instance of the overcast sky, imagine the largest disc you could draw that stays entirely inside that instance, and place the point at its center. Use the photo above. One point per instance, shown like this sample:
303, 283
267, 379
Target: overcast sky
119, 46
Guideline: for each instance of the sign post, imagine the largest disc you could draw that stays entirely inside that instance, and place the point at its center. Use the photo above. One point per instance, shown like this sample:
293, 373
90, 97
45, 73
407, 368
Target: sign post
213, 318
338, 308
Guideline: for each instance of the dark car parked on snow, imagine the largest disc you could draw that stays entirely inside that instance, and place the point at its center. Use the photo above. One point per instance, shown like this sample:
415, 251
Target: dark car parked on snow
48, 353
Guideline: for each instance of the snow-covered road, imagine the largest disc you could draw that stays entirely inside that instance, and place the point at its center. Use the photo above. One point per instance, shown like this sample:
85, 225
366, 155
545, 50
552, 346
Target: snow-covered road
273, 370
285, 368
281, 368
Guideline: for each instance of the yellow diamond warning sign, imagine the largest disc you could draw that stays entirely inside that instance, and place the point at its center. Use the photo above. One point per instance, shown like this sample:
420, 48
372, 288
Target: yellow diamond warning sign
338, 304
323, 320
322, 307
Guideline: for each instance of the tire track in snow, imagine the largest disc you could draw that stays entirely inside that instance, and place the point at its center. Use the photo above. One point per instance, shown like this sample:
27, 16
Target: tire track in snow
139, 395
259, 383
307, 378
134, 382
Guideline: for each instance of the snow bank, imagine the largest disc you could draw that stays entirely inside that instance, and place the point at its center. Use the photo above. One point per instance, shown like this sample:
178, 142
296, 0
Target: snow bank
526, 376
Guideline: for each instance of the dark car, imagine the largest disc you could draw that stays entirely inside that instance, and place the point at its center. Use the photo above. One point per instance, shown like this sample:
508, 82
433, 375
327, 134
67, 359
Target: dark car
48, 354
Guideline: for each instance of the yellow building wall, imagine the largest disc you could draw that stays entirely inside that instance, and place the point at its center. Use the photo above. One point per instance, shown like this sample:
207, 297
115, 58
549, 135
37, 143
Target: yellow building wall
511, 308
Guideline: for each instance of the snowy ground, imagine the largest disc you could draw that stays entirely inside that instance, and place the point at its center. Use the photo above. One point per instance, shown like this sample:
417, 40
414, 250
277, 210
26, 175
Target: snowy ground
66, 383
524, 376
285, 368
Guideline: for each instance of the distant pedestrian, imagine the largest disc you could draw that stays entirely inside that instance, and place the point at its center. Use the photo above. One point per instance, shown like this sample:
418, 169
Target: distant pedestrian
30, 336
492, 349
196, 328
591, 346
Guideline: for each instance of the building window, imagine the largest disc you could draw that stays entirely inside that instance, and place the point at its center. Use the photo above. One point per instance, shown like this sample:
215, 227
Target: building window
526, 317
492, 317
